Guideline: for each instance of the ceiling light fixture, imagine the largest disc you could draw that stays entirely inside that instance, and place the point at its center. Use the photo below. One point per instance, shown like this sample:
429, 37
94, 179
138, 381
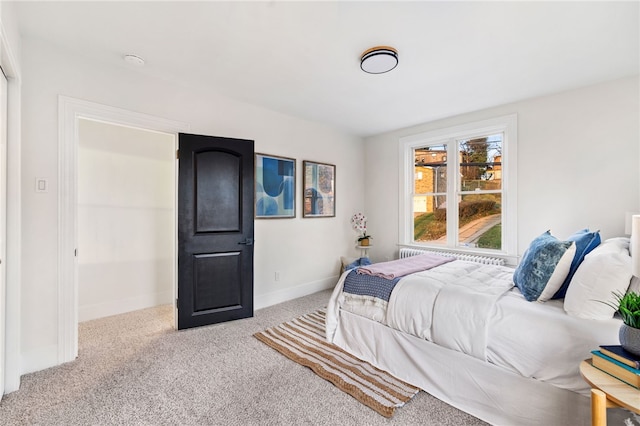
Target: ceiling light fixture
134, 59
379, 59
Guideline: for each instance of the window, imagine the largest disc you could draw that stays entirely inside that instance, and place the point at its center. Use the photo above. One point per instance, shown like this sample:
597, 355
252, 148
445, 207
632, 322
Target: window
458, 188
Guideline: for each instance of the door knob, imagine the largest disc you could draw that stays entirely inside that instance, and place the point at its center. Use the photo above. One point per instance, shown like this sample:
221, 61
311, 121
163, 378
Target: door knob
247, 242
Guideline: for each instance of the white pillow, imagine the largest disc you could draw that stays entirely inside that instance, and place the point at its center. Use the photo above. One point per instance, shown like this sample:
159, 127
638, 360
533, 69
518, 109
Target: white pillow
621, 242
604, 271
635, 285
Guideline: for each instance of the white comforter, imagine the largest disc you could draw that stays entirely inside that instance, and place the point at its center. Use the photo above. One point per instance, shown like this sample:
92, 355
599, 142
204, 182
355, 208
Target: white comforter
472, 308
449, 305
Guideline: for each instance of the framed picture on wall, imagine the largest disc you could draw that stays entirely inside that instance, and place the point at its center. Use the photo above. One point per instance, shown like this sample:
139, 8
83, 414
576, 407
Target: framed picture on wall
275, 187
318, 189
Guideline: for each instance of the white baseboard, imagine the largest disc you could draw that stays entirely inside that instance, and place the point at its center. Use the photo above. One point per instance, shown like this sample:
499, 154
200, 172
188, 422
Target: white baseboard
45, 357
115, 307
273, 298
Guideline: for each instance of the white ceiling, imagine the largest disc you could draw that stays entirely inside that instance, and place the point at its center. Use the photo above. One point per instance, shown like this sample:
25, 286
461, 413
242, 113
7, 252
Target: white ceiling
302, 58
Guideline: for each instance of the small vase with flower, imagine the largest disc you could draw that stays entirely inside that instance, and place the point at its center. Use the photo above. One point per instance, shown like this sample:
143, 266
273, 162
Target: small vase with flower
359, 223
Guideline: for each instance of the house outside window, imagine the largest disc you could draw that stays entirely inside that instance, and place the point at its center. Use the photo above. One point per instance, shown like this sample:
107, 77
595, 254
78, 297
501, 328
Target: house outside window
458, 188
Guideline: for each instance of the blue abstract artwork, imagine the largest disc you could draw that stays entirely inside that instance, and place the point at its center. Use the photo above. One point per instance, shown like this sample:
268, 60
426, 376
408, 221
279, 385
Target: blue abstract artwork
275, 187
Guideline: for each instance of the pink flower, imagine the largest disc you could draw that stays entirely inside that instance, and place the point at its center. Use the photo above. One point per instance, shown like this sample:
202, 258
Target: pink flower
359, 223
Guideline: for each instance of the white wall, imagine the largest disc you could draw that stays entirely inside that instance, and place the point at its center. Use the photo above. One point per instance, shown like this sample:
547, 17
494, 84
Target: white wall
578, 164
126, 197
304, 251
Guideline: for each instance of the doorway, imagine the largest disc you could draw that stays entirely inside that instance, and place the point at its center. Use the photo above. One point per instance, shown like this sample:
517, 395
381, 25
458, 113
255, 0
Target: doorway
126, 214
71, 111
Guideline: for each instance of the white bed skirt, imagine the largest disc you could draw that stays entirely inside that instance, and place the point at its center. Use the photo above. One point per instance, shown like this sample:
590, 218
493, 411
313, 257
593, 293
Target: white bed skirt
481, 389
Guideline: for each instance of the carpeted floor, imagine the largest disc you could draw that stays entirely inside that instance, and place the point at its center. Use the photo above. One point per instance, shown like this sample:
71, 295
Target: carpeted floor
135, 369
303, 340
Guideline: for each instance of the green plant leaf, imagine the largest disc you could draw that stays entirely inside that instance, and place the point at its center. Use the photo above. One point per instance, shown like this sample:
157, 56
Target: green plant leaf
628, 308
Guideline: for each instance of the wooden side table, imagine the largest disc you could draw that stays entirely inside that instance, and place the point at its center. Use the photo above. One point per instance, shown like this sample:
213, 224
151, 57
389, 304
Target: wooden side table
608, 392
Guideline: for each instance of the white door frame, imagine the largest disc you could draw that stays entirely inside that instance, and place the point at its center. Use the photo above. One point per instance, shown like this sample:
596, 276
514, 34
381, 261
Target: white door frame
70, 110
12, 311
3, 223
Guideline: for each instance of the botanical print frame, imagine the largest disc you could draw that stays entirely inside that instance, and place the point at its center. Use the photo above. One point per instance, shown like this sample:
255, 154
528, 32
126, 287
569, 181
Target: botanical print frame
275, 187
318, 189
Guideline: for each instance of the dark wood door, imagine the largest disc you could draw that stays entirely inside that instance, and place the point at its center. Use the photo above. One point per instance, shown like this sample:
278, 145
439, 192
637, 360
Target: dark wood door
215, 229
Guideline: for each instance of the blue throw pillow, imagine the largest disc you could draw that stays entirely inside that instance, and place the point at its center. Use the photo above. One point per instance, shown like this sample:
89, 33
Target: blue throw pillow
544, 267
585, 242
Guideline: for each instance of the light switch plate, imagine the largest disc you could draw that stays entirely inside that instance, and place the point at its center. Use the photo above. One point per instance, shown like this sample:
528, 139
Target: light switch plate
42, 185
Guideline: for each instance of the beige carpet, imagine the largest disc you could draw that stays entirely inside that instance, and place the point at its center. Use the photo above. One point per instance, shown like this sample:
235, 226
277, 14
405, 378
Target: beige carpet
134, 369
303, 341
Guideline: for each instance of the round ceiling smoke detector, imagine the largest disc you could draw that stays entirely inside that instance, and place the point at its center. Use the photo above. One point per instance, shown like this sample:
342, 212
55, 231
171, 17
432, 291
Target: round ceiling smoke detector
134, 59
379, 59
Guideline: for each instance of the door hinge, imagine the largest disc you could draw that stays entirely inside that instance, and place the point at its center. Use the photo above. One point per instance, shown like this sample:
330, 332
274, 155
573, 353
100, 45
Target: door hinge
177, 154
176, 303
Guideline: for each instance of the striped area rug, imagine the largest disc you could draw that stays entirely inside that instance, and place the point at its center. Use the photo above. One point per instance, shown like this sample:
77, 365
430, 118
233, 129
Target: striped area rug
303, 341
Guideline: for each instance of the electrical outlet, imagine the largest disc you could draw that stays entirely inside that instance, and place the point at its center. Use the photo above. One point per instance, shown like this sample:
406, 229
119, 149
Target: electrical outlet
276, 275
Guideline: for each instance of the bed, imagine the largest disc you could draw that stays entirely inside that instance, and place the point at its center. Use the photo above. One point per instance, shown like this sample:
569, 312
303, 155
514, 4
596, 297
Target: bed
465, 333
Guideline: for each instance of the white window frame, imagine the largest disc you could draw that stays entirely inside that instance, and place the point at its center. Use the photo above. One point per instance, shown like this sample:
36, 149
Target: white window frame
507, 125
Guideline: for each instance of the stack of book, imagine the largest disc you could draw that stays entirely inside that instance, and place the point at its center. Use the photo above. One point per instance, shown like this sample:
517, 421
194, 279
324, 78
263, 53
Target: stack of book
619, 363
